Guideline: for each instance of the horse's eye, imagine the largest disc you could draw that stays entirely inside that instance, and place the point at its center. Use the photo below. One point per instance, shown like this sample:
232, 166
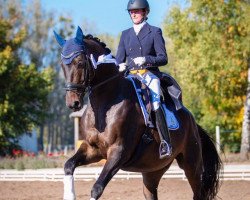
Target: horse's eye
80, 64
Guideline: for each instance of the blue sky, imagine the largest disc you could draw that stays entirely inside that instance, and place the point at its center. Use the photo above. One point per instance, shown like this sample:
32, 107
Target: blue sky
109, 16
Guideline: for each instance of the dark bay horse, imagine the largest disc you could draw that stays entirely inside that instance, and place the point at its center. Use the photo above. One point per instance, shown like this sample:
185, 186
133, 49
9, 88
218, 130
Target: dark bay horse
112, 128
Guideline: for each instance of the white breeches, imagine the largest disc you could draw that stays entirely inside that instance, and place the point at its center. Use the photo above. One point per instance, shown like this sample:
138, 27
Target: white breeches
153, 83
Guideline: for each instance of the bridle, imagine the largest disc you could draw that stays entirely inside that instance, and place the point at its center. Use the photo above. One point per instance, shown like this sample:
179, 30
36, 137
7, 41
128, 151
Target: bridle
73, 48
81, 88
89, 69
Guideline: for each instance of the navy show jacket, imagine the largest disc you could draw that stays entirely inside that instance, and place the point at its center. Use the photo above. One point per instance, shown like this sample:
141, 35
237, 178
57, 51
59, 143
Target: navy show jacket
149, 43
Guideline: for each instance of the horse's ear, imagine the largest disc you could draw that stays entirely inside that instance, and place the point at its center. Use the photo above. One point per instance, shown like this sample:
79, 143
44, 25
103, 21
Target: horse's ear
59, 39
79, 35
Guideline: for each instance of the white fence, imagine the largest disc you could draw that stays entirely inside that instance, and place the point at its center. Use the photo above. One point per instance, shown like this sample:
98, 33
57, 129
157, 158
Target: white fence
231, 172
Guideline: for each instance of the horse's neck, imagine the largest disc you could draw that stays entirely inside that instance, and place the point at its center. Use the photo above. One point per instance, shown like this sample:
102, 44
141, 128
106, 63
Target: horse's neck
109, 86
104, 73
109, 97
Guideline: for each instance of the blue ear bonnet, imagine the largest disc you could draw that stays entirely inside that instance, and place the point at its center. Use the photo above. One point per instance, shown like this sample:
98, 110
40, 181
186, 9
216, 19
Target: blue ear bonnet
71, 48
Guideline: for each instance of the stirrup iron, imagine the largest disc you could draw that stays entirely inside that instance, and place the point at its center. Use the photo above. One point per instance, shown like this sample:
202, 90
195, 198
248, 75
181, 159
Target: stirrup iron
165, 149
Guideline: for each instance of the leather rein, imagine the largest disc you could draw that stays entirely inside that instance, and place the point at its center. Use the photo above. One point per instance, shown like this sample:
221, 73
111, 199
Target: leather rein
81, 88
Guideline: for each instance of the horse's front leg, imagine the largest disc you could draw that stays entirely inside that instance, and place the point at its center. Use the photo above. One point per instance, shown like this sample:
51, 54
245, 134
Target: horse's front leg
110, 168
86, 154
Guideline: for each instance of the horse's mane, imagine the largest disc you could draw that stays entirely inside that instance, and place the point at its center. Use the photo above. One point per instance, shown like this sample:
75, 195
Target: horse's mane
96, 39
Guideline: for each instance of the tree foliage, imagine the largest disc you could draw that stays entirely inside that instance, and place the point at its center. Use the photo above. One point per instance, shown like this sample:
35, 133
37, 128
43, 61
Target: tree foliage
58, 125
24, 88
210, 47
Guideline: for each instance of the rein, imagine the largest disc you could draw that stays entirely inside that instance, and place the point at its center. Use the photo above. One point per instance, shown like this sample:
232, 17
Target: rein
80, 88
104, 82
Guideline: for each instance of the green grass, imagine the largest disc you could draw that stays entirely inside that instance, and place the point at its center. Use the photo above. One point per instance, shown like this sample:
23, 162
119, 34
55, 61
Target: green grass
36, 162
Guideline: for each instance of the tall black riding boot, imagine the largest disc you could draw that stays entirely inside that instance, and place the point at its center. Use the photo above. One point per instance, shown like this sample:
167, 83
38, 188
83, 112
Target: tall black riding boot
165, 148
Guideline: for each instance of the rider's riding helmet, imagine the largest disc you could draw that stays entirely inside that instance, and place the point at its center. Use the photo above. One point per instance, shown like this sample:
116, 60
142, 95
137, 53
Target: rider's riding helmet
138, 4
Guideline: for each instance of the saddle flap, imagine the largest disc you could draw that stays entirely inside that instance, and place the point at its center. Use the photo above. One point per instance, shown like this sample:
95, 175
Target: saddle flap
143, 95
175, 93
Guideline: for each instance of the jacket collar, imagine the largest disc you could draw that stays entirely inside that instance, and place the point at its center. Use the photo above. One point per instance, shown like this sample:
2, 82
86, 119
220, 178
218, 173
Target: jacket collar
138, 27
144, 31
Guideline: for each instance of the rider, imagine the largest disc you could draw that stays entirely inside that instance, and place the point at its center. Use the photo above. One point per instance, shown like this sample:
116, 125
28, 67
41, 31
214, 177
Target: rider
143, 48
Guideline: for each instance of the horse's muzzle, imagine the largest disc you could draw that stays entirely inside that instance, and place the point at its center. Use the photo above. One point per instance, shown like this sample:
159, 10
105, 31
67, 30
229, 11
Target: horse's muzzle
75, 106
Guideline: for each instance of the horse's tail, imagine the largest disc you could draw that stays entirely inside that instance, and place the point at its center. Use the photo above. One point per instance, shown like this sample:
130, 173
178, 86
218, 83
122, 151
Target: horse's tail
212, 166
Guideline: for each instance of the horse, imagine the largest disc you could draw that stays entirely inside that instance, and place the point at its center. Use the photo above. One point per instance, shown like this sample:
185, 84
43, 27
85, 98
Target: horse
112, 128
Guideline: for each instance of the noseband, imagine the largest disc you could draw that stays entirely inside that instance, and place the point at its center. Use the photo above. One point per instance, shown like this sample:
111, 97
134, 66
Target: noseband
74, 87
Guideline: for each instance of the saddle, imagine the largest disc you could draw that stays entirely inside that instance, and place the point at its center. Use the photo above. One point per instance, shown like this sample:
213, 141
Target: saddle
170, 94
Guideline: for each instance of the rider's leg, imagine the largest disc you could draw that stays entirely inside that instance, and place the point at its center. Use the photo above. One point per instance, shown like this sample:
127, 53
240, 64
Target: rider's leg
162, 127
153, 83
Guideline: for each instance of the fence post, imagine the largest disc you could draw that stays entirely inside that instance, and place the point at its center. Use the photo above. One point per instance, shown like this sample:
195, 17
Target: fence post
218, 138
76, 116
76, 126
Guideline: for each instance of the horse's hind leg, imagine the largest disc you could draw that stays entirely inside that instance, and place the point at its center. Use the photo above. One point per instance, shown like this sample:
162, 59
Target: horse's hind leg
193, 171
85, 155
150, 183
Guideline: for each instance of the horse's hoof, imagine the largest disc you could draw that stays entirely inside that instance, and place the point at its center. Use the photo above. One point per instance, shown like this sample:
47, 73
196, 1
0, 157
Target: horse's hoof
92, 199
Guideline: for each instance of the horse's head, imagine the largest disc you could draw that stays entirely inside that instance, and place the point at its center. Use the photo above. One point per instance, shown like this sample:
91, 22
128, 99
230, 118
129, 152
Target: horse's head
77, 66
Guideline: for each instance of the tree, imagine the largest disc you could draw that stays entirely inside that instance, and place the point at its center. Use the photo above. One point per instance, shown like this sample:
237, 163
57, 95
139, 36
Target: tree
245, 139
111, 41
58, 125
210, 50
24, 88
37, 45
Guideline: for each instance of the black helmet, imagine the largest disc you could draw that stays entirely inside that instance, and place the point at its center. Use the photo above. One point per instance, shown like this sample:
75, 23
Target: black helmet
138, 4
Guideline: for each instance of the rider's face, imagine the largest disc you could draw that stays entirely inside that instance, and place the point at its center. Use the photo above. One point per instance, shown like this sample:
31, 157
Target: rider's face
137, 15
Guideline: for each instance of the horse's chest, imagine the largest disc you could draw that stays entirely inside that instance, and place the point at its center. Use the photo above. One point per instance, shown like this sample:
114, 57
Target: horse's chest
100, 115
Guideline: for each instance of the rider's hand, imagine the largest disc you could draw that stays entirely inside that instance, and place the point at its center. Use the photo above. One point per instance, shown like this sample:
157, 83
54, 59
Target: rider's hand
122, 67
139, 61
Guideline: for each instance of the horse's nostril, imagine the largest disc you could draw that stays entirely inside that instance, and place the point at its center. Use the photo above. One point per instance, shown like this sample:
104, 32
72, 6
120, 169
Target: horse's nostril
76, 104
